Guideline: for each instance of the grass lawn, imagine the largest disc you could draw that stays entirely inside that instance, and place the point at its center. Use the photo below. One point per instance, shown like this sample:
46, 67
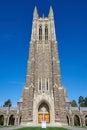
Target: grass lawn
39, 128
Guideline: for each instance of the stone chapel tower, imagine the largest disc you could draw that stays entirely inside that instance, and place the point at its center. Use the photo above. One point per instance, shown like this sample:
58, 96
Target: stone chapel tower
43, 94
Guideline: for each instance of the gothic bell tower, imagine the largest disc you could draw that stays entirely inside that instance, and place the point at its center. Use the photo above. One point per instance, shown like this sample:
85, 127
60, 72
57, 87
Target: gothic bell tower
43, 94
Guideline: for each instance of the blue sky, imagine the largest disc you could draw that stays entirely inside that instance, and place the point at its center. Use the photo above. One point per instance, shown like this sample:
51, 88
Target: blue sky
15, 32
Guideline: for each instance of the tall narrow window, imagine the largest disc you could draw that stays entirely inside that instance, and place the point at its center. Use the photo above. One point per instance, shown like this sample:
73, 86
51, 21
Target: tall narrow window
47, 84
46, 33
39, 84
40, 33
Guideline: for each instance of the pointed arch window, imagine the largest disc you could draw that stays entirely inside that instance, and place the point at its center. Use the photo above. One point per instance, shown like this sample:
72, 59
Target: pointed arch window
39, 84
40, 33
46, 33
47, 84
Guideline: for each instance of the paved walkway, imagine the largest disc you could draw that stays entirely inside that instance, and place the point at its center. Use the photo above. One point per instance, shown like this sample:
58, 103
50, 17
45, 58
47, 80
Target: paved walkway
16, 127
74, 128
11, 128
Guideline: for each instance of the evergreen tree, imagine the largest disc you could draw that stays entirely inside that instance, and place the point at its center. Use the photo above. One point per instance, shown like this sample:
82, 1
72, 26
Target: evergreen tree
85, 101
7, 103
73, 103
81, 101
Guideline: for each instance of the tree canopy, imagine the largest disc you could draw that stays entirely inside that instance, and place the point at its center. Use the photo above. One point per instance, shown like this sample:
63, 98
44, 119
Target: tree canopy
7, 103
74, 103
82, 102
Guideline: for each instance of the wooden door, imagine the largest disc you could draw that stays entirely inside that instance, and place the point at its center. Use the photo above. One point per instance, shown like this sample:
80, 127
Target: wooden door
43, 117
47, 118
40, 118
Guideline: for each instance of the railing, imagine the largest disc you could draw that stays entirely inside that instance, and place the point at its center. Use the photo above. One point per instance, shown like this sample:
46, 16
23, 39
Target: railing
83, 108
77, 108
67, 108
74, 108
9, 108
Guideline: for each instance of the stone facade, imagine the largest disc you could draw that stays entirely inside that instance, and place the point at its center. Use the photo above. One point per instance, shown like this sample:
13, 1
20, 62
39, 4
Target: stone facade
13, 116
44, 97
43, 79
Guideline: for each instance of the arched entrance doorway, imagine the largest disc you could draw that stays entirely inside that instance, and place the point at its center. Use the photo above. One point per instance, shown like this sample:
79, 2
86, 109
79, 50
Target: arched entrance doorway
20, 120
86, 120
1, 120
67, 120
76, 120
43, 113
12, 120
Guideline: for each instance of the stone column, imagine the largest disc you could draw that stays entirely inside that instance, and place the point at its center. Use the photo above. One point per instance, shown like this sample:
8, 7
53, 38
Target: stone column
69, 121
80, 121
16, 120
72, 121
5, 121
83, 121
71, 118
